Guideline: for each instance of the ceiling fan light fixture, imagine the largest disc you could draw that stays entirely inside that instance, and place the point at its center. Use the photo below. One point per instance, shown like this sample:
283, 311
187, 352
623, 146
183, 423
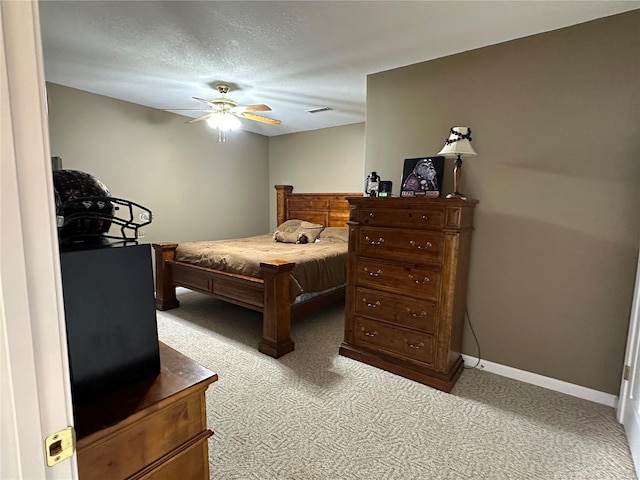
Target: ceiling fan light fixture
224, 122
222, 113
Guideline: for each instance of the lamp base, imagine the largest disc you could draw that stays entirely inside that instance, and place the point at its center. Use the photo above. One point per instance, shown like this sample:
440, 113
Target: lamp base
457, 195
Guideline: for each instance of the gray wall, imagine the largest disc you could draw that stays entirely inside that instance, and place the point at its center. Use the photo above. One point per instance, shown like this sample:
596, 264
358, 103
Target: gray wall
325, 160
196, 187
555, 122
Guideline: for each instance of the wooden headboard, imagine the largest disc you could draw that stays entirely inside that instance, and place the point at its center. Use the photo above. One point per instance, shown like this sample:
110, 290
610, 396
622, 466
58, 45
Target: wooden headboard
328, 209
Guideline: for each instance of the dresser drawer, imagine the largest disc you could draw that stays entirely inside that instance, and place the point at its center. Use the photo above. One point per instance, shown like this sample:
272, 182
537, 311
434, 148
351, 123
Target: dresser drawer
403, 245
395, 341
403, 278
129, 450
433, 217
406, 311
190, 463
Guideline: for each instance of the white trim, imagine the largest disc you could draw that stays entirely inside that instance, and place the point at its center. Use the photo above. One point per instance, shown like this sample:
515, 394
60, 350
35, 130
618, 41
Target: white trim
629, 406
542, 381
36, 370
631, 357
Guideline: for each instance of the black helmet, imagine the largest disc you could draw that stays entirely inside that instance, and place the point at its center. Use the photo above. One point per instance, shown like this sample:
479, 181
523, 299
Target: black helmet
82, 205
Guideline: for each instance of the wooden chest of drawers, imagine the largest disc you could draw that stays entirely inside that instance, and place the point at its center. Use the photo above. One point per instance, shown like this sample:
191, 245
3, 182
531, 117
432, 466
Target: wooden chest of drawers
406, 286
152, 429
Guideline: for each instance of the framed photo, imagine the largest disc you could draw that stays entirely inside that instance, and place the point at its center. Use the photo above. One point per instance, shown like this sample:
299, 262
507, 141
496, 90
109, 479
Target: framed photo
385, 188
422, 177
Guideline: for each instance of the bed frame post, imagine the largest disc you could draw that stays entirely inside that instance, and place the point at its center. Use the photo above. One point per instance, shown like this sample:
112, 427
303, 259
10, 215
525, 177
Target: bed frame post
165, 290
282, 191
276, 324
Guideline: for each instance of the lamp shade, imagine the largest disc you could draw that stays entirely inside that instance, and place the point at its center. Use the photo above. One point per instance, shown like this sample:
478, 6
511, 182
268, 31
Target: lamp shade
458, 143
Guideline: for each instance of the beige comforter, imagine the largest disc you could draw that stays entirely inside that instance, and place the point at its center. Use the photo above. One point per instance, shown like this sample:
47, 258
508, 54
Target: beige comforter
319, 266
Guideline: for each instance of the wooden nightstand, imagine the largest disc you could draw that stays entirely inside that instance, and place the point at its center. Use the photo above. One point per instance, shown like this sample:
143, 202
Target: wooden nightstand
407, 284
153, 429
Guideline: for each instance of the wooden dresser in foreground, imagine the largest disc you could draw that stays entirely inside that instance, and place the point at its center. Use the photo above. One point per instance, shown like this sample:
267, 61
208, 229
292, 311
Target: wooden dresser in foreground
407, 285
152, 429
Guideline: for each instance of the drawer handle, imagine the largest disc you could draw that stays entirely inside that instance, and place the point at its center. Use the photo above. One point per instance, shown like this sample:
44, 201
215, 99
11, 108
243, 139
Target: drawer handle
374, 242
372, 215
421, 247
414, 345
420, 282
425, 218
377, 273
369, 334
371, 305
418, 315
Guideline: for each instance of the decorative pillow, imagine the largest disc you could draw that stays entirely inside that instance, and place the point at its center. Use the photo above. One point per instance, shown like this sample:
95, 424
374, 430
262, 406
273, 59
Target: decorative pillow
335, 234
297, 231
287, 232
310, 230
289, 226
285, 237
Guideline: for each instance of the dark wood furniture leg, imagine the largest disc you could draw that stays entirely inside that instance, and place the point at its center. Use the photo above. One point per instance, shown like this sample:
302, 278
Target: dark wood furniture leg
276, 321
165, 290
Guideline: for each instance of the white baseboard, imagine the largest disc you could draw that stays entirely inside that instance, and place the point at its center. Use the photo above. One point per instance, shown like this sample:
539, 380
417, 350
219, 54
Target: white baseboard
542, 381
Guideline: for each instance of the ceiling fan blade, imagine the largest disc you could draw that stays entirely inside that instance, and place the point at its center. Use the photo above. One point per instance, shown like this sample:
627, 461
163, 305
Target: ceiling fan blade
258, 118
251, 108
199, 119
201, 99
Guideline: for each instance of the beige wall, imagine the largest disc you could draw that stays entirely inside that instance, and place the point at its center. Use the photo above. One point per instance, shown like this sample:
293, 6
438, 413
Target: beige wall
325, 160
555, 122
196, 187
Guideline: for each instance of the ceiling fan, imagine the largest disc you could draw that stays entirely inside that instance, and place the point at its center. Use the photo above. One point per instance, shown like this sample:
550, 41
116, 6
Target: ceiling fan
222, 113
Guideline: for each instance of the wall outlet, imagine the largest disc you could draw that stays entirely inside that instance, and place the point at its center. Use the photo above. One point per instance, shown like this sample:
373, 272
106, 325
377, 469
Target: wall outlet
144, 217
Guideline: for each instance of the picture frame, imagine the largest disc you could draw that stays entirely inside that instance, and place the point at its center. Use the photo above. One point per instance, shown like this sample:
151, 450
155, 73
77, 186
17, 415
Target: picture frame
385, 188
422, 177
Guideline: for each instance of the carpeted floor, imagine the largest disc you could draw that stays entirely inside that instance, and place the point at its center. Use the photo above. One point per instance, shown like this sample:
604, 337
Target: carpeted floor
316, 415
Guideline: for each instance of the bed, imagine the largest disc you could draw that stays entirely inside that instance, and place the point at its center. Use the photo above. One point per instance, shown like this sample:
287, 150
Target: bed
268, 288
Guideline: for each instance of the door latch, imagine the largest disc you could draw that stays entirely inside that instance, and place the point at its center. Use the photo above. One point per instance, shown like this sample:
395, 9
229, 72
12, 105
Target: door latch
59, 446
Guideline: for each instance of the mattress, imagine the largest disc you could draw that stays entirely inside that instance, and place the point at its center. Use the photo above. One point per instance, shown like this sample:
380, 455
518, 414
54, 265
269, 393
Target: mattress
319, 266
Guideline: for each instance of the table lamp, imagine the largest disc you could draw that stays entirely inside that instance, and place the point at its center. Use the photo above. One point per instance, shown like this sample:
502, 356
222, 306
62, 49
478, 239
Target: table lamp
458, 144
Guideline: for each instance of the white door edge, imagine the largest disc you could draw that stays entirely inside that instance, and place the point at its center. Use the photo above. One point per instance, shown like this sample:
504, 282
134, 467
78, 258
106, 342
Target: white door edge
35, 371
628, 412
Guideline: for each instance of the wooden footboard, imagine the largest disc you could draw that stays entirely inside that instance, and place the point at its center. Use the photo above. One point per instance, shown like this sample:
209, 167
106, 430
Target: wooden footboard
165, 289
269, 295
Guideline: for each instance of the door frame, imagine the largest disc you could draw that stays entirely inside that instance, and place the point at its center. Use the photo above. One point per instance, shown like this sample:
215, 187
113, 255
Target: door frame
34, 368
628, 412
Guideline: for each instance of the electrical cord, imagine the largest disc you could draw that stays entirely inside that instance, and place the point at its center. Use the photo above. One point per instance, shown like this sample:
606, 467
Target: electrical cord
466, 312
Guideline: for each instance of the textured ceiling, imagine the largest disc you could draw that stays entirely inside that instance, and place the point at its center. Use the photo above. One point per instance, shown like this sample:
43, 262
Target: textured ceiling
292, 56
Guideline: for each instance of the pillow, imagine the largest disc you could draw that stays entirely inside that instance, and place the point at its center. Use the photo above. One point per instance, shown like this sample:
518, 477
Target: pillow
310, 230
297, 231
286, 237
335, 234
289, 226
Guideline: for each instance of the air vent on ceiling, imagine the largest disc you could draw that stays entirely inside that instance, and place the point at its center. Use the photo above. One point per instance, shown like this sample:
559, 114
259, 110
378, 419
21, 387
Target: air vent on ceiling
320, 109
